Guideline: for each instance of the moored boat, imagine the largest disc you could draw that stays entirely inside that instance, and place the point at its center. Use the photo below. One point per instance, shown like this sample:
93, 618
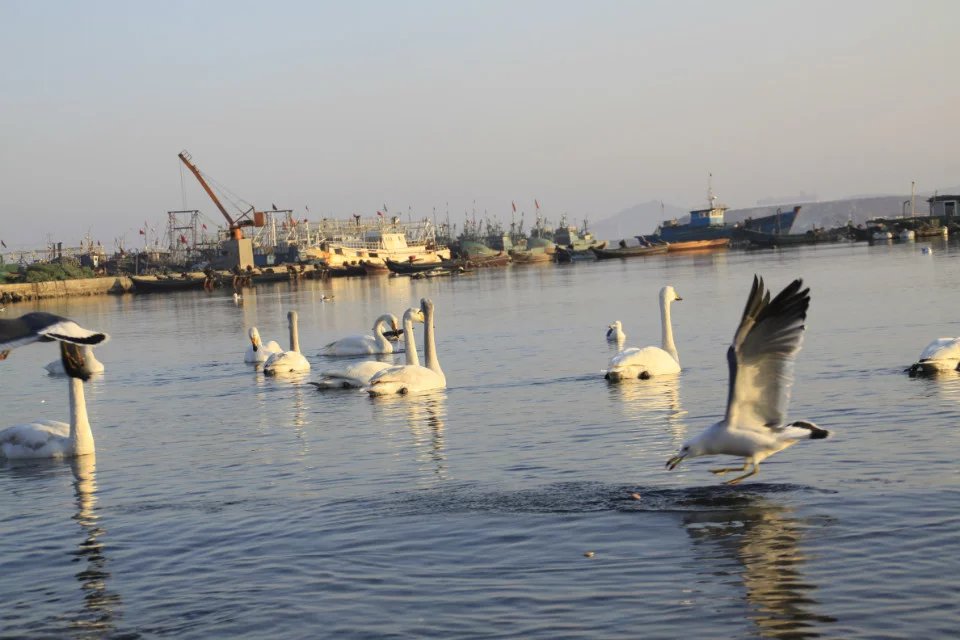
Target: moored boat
629, 252
698, 245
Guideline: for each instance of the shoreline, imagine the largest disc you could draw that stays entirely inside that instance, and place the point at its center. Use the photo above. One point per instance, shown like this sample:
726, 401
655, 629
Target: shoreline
30, 291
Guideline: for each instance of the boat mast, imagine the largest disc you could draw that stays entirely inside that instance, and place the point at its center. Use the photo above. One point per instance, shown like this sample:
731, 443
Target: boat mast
913, 211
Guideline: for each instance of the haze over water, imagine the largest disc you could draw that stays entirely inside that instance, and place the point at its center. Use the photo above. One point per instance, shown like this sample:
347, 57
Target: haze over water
221, 504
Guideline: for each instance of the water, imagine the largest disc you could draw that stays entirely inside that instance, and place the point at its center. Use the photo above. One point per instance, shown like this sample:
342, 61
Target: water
221, 504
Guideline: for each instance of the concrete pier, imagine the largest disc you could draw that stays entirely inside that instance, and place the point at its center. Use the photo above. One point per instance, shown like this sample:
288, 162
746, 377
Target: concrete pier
22, 292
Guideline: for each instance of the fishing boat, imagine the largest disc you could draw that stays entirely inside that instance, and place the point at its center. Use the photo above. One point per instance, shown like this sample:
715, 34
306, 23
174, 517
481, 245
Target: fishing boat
761, 239
573, 243
624, 251
183, 282
698, 245
531, 256
408, 267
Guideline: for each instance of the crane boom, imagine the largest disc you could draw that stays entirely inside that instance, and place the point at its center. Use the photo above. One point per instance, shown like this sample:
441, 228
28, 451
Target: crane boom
183, 155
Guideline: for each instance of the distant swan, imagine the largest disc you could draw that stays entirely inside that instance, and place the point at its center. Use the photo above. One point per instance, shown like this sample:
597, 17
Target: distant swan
413, 378
291, 361
50, 438
358, 375
258, 352
943, 354
358, 345
646, 362
615, 332
93, 365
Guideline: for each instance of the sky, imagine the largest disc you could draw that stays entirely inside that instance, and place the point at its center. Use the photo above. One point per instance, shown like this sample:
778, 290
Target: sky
423, 106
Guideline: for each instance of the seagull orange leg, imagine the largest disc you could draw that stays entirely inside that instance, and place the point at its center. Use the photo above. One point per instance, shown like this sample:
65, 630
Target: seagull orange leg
720, 472
756, 470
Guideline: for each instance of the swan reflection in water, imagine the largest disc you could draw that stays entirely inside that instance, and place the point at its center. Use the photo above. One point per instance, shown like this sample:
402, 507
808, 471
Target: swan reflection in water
97, 618
423, 417
652, 402
763, 539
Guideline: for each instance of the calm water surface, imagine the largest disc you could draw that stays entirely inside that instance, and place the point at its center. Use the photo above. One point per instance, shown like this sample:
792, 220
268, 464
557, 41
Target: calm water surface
221, 504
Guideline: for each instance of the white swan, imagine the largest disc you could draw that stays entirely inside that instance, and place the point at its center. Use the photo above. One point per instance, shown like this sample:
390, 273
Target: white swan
615, 332
650, 361
760, 359
943, 354
258, 352
291, 361
413, 378
358, 345
50, 438
93, 365
358, 375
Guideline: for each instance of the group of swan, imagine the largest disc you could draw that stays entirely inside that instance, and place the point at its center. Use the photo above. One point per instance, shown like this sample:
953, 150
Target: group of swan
647, 362
50, 438
413, 377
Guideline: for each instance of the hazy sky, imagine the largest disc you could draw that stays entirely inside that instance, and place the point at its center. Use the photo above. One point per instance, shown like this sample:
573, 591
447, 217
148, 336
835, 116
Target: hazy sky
590, 107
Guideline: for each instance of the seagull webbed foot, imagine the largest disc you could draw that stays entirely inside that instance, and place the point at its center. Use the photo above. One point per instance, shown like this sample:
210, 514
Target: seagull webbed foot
755, 471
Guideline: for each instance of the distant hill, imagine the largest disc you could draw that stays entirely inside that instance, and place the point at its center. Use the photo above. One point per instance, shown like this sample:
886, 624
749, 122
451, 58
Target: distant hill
640, 219
644, 218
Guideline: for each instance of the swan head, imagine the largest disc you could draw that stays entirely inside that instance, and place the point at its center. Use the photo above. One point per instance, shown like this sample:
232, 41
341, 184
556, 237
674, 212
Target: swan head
426, 305
669, 294
414, 315
254, 338
74, 361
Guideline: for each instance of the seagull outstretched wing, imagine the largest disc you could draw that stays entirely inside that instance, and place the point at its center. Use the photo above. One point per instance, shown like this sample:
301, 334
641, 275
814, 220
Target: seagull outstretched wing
39, 325
762, 353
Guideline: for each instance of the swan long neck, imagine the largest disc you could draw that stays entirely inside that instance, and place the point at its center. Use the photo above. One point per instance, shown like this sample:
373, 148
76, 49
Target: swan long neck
409, 341
667, 328
378, 326
294, 334
80, 433
429, 341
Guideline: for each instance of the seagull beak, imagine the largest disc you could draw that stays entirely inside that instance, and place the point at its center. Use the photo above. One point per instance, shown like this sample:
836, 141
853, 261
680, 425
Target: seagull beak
674, 461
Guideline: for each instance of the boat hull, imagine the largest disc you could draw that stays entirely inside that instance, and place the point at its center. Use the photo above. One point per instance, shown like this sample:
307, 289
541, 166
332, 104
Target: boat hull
629, 252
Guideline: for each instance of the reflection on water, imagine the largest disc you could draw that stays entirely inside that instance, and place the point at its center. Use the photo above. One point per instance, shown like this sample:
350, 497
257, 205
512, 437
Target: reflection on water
763, 538
653, 401
423, 416
100, 605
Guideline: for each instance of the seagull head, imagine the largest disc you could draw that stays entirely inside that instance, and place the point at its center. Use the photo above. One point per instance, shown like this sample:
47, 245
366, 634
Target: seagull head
689, 450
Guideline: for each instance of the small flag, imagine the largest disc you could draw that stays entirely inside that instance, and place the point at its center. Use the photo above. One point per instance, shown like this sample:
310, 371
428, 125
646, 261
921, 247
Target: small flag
274, 207
514, 205
385, 208
4, 244
306, 207
536, 202
183, 238
142, 232
204, 226
380, 213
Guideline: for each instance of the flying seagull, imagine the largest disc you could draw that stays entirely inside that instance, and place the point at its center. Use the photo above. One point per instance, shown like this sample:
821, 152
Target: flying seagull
45, 327
761, 372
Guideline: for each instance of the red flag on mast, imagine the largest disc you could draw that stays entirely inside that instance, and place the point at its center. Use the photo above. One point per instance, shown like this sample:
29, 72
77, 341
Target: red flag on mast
536, 202
514, 205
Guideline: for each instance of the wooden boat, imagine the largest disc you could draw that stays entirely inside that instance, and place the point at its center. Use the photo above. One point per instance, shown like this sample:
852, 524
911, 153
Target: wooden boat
697, 245
536, 256
408, 267
629, 252
566, 254
184, 282
761, 239
375, 268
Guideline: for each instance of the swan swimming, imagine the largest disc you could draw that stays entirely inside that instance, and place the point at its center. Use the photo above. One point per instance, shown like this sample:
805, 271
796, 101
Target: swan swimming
643, 363
291, 361
39, 325
50, 438
358, 345
92, 365
258, 352
358, 375
615, 332
941, 355
413, 378
761, 372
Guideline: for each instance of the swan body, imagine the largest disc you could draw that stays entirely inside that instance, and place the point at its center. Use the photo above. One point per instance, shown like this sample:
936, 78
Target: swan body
358, 375
943, 354
646, 362
615, 332
93, 365
258, 352
760, 361
413, 378
51, 438
291, 361
358, 345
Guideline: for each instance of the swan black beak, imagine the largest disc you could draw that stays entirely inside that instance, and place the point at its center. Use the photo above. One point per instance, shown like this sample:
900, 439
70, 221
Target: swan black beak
674, 461
678, 298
